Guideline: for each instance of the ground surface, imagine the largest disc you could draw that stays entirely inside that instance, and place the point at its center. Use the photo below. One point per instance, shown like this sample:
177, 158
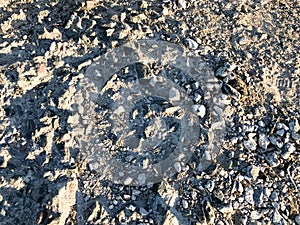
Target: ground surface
251, 46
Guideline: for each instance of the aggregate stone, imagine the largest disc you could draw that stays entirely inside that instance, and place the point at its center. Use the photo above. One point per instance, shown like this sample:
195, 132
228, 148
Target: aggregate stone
248, 176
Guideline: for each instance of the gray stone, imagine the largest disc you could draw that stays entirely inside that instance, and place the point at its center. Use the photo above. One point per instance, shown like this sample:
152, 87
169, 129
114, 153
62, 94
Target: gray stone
261, 123
281, 126
273, 139
221, 72
267, 192
143, 212
218, 194
250, 144
182, 3
272, 160
288, 150
210, 186
295, 136
253, 171
297, 219
94, 165
274, 196
276, 217
258, 196
249, 195
280, 132
191, 43
226, 209
142, 178
185, 204
199, 110
174, 94
243, 41
255, 215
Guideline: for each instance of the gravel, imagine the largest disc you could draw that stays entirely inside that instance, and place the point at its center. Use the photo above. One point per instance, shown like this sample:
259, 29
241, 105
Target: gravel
252, 49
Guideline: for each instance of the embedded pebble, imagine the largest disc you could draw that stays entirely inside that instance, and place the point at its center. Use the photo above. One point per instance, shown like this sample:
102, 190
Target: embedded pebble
210, 186
274, 196
143, 212
249, 195
250, 177
185, 204
142, 178
255, 215
182, 3
297, 219
226, 209
258, 196
263, 141
199, 110
221, 72
276, 217
191, 43
250, 144
254, 171
128, 181
177, 166
272, 160
289, 149
94, 165
280, 132
243, 41
295, 136
174, 94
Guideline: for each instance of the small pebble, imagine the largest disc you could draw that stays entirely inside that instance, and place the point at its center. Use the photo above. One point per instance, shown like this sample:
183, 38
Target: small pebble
295, 136
199, 110
254, 171
243, 41
261, 123
272, 160
132, 208
274, 196
191, 43
126, 197
258, 196
249, 195
276, 217
263, 141
127, 181
221, 72
3, 212
210, 186
255, 215
226, 209
250, 145
185, 204
143, 212
142, 178
280, 132
94, 165
182, 3
174, 94
289, 149
165, 11
267, 192
297, 219
177, 166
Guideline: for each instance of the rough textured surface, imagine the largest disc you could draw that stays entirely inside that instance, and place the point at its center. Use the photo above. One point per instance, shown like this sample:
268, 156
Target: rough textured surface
253, 48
